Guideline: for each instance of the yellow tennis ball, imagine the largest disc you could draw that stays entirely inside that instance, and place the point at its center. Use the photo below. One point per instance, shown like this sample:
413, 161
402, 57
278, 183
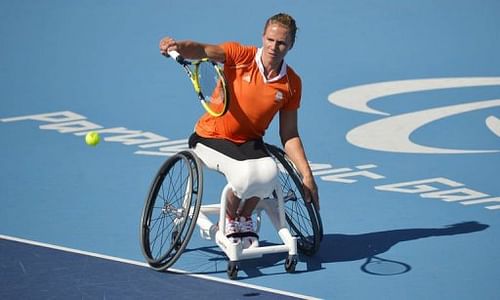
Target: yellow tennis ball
92, 138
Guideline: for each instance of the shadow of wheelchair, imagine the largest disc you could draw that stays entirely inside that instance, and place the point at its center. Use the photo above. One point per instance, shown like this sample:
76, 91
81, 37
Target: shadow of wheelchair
370, 247
334, 248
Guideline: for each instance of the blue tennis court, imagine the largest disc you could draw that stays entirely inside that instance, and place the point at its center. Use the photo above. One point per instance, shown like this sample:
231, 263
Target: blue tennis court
400, 117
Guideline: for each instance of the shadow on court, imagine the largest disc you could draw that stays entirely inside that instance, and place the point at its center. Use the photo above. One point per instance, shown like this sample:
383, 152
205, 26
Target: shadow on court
340, 248
343, 247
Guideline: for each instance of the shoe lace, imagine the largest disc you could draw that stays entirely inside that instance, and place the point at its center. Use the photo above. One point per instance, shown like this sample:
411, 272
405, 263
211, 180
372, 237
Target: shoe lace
232, 226
246, 224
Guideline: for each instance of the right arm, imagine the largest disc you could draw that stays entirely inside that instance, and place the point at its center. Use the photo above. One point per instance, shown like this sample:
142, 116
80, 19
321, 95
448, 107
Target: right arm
193, 50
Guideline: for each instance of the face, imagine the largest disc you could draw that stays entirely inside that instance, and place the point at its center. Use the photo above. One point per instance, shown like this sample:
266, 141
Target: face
276, 42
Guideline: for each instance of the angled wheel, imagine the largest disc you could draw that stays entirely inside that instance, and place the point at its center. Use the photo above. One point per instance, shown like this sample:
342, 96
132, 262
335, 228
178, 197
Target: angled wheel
232, 270
290, 263
302, 217
171, 210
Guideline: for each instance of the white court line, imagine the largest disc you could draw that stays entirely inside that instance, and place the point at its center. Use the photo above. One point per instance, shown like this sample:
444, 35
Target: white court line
143, 264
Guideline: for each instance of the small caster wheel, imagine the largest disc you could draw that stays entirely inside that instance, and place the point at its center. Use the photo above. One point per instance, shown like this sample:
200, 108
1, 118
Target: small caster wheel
290, 263
232, 270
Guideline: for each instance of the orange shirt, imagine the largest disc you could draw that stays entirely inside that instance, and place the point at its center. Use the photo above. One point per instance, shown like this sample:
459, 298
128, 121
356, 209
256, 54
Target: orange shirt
254, 100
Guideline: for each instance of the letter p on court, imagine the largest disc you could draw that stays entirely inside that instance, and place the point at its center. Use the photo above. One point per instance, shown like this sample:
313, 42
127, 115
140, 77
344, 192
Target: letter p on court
54, 117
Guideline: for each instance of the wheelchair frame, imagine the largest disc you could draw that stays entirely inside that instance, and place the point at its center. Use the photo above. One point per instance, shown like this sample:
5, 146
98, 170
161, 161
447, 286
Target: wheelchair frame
173, 209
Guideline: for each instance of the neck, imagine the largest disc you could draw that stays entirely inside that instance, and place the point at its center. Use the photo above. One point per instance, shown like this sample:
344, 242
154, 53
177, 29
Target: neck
271, 68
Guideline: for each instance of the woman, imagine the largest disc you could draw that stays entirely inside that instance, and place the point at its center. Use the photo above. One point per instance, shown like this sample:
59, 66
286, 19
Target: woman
260, 84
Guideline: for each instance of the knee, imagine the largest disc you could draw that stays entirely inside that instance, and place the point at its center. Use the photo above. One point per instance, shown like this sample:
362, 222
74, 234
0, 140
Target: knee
256, 179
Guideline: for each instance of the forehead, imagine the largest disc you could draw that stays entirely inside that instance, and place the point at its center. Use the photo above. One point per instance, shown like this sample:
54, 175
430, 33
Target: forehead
277, 30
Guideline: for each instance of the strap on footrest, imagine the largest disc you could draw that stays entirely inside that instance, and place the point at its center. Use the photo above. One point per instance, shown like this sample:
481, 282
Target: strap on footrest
243, 234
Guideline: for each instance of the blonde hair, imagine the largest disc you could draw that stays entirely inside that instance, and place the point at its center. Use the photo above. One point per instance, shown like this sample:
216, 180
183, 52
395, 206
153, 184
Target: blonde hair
286, 21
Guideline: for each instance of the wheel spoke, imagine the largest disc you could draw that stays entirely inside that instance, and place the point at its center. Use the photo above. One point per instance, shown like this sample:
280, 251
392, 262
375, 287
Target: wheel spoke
300, 215
166, 224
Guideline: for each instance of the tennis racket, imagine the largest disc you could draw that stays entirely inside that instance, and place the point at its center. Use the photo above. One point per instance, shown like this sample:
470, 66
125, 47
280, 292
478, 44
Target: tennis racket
208, 83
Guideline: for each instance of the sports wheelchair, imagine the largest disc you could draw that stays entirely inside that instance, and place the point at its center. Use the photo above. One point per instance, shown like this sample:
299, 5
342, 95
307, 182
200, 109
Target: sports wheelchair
173, 209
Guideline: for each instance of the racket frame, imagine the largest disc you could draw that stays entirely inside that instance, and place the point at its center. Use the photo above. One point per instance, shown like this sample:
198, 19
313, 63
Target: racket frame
193, 75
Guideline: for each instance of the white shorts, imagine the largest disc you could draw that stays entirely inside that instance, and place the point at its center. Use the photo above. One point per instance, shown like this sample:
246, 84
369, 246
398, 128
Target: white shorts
249, 172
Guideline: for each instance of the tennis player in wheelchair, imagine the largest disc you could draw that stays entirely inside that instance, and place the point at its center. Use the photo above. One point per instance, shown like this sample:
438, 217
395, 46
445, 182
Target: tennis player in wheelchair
261, 84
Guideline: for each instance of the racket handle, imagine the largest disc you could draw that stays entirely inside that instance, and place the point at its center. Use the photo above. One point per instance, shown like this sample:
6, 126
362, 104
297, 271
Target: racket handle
176, 56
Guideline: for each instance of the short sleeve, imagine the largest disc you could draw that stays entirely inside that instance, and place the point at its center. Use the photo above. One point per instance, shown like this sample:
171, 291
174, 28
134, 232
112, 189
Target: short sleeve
295, 90
237, 53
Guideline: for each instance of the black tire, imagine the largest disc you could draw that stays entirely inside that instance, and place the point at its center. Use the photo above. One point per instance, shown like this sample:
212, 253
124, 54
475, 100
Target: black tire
290, 263
232, 270
302, 217
171, 210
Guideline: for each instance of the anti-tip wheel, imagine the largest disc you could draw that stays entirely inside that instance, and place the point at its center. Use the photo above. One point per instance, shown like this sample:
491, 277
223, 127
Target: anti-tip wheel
290, 263
232, 270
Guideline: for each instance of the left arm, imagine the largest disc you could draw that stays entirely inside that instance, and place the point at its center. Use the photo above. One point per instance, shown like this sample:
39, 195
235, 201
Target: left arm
295, 150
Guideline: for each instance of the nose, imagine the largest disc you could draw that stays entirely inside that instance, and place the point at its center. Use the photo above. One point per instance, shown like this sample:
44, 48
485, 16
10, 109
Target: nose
272, 45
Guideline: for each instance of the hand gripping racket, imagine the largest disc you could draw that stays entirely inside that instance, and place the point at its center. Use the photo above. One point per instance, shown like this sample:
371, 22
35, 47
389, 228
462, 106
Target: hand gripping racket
208, 82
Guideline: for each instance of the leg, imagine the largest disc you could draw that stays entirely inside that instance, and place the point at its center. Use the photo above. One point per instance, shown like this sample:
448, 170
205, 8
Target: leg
232, 218
239, 220
232, 205
248, 206
250, 173
234, 210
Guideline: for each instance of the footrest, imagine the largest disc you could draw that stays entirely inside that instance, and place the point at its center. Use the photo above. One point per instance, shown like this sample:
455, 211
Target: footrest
243, 234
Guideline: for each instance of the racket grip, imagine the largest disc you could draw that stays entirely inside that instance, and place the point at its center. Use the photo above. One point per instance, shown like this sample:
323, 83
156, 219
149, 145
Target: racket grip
176, 56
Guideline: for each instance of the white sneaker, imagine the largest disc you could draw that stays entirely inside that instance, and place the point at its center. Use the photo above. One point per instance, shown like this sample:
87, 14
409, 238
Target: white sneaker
232, 229
250, 239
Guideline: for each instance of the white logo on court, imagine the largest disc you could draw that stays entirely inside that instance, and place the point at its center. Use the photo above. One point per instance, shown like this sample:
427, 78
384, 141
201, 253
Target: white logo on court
392, 133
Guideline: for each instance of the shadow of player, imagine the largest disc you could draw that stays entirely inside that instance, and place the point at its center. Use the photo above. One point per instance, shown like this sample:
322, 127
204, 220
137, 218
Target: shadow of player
342, 248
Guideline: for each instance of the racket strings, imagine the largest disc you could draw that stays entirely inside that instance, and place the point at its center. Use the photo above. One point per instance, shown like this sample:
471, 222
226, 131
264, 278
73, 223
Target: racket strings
212, 87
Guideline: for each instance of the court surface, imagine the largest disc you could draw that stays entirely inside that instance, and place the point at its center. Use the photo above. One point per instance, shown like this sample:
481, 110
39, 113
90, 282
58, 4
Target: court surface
399, 117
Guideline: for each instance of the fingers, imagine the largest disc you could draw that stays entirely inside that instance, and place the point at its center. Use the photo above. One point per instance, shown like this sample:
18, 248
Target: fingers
312, 196
167, 44
315, 198
311, 193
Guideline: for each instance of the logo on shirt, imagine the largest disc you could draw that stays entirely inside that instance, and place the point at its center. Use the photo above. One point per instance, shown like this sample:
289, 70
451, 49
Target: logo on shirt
247, 78
278, 97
